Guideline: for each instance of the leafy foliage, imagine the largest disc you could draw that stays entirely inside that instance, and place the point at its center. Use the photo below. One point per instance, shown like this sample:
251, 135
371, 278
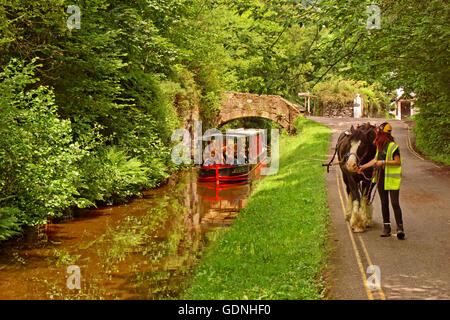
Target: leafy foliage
433, 130
37, 153
9, 223
43, 171
111, 175
341, 93
410, 50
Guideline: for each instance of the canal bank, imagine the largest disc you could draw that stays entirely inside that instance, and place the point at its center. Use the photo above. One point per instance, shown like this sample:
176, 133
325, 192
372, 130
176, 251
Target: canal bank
276, 247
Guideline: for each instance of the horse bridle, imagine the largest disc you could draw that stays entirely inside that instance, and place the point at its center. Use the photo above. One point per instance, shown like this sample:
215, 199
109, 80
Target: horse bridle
346, 156
359, 159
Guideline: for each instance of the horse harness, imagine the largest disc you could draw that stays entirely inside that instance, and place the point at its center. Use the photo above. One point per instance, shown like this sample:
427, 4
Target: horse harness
359, 159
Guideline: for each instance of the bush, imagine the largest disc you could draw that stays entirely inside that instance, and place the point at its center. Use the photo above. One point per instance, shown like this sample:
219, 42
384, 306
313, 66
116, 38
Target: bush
49, 165
112, 176
433, 129
38, 157
340, 93
9, 223
144, 142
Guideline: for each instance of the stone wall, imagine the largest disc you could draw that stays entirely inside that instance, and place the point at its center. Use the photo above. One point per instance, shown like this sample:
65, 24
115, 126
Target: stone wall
332, 111
188, 110
237, 105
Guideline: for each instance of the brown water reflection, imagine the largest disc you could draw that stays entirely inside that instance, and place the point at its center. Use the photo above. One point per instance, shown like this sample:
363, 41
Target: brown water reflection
146, 249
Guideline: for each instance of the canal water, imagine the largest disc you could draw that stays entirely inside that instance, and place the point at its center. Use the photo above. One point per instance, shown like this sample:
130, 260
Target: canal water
146, 249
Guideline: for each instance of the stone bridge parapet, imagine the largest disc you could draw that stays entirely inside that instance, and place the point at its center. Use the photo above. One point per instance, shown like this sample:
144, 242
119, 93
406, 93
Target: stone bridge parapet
236, 105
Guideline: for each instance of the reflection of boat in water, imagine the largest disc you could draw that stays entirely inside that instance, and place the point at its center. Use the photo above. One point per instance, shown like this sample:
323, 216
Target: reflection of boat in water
213, 192
247, 154
222, 203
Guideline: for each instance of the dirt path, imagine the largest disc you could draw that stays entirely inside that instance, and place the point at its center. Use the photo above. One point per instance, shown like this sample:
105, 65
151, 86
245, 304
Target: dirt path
417, 268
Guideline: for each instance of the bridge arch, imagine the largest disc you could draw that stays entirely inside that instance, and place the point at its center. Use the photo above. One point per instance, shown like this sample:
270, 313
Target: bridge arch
236, 105
245, 117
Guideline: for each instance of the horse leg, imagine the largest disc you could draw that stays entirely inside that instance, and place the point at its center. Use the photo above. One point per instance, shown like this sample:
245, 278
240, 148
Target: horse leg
349, 208
366, 208
356, 221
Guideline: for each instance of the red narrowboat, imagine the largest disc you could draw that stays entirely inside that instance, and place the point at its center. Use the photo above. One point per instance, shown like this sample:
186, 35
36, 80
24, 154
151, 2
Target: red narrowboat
240, 153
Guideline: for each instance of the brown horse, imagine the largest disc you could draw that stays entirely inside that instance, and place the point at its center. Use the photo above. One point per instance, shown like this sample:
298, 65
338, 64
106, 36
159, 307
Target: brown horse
355, 148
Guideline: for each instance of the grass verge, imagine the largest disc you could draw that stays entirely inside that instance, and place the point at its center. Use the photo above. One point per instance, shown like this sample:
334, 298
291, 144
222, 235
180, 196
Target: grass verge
275, 249
427, 147
442, 158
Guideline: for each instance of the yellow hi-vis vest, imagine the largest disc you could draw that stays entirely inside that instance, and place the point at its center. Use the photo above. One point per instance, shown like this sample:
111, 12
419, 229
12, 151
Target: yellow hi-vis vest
392, 174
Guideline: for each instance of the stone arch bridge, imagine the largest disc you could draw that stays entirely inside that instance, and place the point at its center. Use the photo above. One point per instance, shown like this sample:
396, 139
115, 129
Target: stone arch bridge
236, 105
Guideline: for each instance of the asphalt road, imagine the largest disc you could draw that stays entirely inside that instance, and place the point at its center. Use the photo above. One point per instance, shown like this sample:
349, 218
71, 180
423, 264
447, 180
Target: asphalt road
416, 268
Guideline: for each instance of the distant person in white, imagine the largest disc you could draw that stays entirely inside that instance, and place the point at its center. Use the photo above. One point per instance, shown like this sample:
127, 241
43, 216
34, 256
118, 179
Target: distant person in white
357, 112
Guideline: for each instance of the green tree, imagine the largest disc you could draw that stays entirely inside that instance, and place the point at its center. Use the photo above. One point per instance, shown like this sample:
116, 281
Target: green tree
409, 50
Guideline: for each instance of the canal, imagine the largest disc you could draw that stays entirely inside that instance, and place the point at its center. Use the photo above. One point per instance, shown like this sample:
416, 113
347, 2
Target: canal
146, 249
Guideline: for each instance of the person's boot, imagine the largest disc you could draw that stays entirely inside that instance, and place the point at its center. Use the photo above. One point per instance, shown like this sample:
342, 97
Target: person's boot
386, 230
400, 233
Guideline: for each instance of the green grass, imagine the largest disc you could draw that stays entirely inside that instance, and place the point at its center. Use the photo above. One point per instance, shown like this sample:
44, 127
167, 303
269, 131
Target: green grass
442, 158
275, 249
427, 146
411, 118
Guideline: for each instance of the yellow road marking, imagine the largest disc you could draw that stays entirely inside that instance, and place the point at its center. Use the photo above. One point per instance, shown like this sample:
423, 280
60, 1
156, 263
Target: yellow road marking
380, 290
355, 249
363, 245
409, 144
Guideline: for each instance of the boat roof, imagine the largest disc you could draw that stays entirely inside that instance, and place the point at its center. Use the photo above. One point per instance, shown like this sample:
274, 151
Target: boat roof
248, 132
234, 133
223, 136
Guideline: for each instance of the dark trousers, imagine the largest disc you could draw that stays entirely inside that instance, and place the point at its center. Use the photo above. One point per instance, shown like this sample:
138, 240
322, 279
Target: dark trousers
384, 197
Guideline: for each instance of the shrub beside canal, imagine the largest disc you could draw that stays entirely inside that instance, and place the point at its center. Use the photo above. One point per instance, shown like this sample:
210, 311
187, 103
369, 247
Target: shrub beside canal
275, 249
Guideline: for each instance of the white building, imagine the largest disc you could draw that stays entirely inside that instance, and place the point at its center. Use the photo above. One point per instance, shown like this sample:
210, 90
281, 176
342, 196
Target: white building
405, 105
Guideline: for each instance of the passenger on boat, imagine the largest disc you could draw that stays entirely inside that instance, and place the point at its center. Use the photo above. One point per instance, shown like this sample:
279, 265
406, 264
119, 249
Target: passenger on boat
236, 157
231, 153
210, 161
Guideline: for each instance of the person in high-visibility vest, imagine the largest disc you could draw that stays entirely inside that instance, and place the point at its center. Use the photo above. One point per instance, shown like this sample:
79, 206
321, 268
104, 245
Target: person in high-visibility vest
389, 176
